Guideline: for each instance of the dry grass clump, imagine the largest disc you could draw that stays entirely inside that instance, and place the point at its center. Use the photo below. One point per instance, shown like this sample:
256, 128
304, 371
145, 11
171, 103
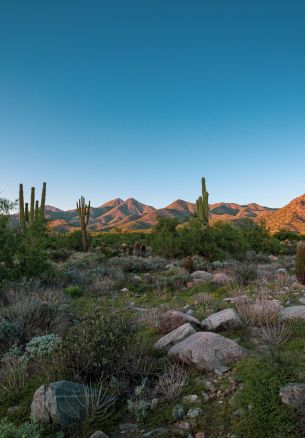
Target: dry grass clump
172, 382
276, 333
244, 272
101, 286
150, 318
31, 310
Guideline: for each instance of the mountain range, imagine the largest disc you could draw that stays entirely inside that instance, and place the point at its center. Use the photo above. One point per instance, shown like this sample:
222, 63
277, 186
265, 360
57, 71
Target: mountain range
133, 215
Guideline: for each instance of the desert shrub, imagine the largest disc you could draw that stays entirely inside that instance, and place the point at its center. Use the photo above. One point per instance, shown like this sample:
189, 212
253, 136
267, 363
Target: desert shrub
172, 381
244, 272
73, 291
97, 343
13, 377
165, 238
287, 235
268, 417
25, 430
138, 406
42, 346
31, 310
138, 264
60, 254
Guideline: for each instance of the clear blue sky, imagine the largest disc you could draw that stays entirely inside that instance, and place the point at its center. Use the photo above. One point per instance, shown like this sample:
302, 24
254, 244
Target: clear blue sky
120, 98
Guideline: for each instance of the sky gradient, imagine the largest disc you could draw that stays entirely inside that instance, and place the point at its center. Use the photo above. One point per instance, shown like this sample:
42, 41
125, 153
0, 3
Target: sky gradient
140, 98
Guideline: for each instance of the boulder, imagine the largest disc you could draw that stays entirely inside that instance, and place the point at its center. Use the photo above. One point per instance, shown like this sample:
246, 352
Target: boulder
207, 351
288, 313
62, 403
201, 277
293, 394
175, 336
99, 434
173, 319
226, 318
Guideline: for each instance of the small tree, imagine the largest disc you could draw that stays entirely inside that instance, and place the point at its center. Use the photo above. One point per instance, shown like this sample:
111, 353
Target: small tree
83, 210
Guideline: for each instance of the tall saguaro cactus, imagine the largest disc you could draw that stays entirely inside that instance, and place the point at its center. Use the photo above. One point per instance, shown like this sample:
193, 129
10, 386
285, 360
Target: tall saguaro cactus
22, 212
202, 205
83, 210
31, 214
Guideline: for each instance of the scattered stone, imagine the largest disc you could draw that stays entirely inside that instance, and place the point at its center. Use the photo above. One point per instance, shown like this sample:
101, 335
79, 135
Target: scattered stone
161, 431
125, 290
226, 318
199, 435
193, 398
179, 412
273, 258
201, 276
99, 434
288, 313
282, 271
222, 277
173, 319
62, 403
194, 412
175, 336
137, 278
207, 351
205, 397
293, 395
302, 300
154, 403
251, 255
216, 265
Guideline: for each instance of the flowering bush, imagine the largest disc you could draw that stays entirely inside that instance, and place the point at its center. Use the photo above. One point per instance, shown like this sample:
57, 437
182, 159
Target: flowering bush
42, 346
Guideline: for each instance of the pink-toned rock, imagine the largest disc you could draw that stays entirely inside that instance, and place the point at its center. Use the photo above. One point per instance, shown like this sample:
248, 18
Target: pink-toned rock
222, 277
173, 319
199, 435
208, 351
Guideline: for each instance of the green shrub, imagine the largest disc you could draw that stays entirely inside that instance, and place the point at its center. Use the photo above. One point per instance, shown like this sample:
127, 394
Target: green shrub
73, 291
42, 346
97, 344
25, 430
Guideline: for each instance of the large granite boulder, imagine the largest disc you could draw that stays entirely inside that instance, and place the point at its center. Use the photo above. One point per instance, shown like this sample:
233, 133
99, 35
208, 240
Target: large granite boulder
208, 351
173, 319
175, 336
62, 403
293, 312
293, 394
226, 318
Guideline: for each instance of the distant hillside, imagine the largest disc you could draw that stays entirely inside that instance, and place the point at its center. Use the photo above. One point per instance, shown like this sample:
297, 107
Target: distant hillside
133, 215
291, 217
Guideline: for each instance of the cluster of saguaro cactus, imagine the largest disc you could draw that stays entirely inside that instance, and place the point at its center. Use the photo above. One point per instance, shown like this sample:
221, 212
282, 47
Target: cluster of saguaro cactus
28, 215
300, 262
83, 210
202, 205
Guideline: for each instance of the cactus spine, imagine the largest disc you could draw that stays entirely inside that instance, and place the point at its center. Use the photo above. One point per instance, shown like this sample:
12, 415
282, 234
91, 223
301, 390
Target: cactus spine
31, 214
202, 205
83, 210
300, 262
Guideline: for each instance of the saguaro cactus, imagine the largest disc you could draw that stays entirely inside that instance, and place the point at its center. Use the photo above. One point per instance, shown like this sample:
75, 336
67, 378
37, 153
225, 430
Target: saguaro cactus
21, 208
300, 262
202, 205
84, 214
43, 200
30, 214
